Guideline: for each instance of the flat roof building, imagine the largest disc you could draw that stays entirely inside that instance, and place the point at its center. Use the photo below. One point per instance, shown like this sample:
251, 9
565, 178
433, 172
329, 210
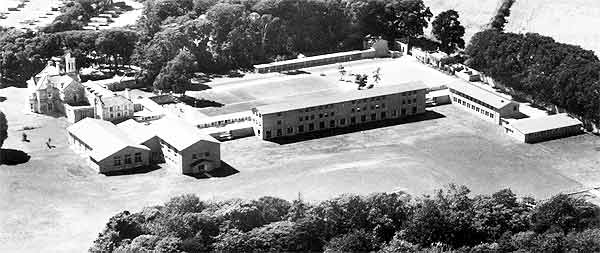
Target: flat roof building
485, 104
310, 112
107, 146
532, 130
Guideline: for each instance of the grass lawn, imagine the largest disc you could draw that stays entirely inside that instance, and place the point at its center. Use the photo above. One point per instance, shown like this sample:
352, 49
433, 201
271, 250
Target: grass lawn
55, 203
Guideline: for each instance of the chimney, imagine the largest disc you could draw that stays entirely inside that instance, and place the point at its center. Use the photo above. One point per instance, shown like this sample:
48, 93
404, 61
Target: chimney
127, 93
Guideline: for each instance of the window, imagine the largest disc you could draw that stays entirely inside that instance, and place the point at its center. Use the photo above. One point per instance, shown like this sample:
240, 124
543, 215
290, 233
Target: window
332, 123
326, 114
414, 110
332, 113
207, 154
320, 115
414, 100
127, 159
299, 118
383, 116
353, 120
515, 108
117, 161
402, 112
363, 118
311, 126
194, 156
343, 121
301, 129
373, 116
321, 125
268, 134
383, 105
353, 110
278, 114
312, 116
305, 117
279, 122
394, 113
290, 130
137, 157
403, 102
279, 132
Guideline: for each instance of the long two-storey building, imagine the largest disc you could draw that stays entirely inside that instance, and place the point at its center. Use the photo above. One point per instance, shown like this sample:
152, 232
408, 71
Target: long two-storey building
310, 113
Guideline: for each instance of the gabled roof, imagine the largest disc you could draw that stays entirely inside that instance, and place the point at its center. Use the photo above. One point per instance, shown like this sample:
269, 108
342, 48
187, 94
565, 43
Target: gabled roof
49, 70
103, 137
312, 99
534, 125
61, 82
136, 131
114, 100
179, 133
480, 94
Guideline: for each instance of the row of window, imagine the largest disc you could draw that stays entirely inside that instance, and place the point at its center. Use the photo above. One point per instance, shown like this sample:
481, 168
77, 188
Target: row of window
332, 123
473, 107
472, 99
127, 159
195, 156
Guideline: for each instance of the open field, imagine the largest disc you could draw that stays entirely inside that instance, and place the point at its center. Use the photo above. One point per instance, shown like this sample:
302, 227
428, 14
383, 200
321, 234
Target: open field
474, 14
54, 203
33, 10
567, 21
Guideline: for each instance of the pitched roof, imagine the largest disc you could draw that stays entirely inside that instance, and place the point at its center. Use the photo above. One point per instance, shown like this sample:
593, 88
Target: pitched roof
179, 133
49, 70
534, 125
136, 131
61, 82
313, 99
103, 137
114, 100
480, 94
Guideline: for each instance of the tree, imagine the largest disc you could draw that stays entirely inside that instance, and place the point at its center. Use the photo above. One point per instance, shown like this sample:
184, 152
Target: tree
176, 75
392, 19
273, 209
183, 204
3, 128
377, 75
448, 30
355, 241
117, 44
120, 227
565, 214
342, 71
361, 80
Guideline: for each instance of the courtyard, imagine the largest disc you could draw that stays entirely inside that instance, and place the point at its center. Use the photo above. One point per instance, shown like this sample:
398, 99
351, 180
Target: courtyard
54, 202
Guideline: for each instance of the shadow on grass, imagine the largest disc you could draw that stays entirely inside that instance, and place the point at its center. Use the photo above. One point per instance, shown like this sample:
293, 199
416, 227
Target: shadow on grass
140, 170
224, 171
13, 157
295, 72
428, 115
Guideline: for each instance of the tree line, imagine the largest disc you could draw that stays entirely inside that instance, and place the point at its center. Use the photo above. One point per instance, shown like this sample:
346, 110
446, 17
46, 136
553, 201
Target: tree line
549, 72
450, 220
221, 35
24, 53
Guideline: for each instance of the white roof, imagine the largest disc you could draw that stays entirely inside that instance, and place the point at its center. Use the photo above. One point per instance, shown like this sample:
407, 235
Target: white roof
311, 100
136, 131
534, 125
97, 89
480, 94
306, 59
179, 133
103, 137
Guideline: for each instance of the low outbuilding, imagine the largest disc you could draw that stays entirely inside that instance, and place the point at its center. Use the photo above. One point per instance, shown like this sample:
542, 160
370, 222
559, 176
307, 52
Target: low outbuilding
546, 128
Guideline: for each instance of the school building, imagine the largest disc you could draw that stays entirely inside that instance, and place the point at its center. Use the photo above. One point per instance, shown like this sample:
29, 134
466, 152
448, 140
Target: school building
310, 112
485, 104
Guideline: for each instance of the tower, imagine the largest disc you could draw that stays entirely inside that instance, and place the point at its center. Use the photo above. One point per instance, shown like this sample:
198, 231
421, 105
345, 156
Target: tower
70, 66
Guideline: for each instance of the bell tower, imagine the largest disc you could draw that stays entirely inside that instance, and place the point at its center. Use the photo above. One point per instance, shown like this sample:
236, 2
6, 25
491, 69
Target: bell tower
70, 66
